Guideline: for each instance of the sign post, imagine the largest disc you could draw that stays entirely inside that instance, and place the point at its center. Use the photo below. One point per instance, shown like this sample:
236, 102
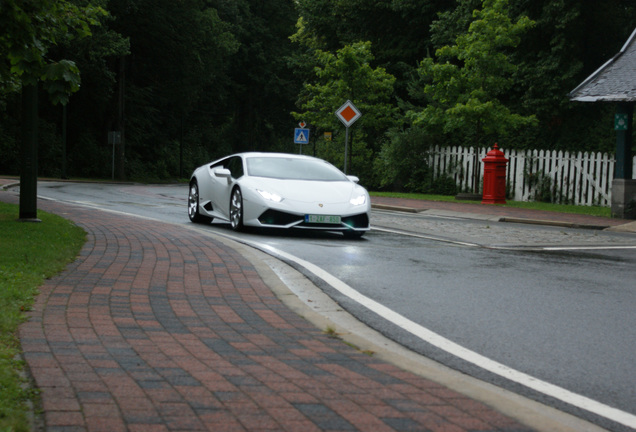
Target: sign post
348, 114
114, 138
301, 135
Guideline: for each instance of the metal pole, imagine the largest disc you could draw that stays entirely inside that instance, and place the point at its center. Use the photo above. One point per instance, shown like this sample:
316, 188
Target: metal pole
114, 140
346, 148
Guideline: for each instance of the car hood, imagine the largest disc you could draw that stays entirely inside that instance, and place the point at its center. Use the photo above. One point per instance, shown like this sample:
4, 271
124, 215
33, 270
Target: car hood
309, 191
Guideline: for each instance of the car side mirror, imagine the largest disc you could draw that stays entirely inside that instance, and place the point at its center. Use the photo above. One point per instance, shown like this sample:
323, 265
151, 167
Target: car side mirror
353, 178
222, 172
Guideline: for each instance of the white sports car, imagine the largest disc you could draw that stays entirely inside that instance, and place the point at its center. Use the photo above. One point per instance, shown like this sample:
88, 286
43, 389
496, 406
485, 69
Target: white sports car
278, 190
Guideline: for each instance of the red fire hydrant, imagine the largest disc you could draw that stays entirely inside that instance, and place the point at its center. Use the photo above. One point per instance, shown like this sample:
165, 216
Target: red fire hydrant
494, 177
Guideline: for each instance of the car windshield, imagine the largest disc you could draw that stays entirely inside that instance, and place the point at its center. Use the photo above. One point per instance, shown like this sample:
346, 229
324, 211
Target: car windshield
293, 169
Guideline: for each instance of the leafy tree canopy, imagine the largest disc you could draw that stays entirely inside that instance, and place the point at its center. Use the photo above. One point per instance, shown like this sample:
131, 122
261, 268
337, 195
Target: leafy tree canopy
399, 30
348, 75
464, 87
29, 29
342, 76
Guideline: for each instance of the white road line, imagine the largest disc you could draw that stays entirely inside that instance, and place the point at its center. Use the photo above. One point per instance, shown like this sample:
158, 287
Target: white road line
451, 347
566, 248
427, 237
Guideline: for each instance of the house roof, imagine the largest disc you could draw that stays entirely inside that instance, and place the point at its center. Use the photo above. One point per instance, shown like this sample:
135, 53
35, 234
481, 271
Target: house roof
615, 81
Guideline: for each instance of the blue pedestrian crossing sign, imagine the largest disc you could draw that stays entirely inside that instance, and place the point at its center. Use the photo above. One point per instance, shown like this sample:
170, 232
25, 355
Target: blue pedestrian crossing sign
301, 136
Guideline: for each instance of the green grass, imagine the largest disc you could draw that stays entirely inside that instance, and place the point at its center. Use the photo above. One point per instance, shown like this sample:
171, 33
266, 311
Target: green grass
563, 208
29, 254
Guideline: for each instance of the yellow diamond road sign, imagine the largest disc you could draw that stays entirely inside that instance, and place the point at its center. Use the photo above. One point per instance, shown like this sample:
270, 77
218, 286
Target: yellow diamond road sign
348, 113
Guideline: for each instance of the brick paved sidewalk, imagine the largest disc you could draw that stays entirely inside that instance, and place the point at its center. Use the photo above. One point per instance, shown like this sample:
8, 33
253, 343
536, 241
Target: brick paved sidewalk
157, 328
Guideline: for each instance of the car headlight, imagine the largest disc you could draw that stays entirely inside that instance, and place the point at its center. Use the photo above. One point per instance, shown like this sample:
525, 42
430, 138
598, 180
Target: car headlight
359, 200
269, 196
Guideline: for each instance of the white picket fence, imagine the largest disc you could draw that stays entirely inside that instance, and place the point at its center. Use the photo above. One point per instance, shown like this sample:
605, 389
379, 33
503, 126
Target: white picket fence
561, 177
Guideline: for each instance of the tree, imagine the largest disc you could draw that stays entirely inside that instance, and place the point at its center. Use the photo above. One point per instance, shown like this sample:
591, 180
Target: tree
174, 79
465, 88
261, 89
399, 30
205, 78
29, 30
348, 75
572, 39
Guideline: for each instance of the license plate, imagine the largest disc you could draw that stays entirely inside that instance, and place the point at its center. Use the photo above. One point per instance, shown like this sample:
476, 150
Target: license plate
322, 219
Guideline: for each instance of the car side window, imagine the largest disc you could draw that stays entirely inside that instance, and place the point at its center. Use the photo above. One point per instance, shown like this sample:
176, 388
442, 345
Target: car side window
235, 165
222, 164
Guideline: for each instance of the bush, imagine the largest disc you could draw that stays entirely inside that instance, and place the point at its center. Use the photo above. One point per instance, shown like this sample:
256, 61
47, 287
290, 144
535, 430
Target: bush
403, 162
443, 185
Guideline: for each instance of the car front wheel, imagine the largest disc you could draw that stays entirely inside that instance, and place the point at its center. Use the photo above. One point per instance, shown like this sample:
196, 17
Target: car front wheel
193, 205
236, 210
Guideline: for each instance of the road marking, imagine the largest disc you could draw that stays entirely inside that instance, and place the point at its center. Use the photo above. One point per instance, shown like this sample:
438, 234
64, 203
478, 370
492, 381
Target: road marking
566, 248
422, 236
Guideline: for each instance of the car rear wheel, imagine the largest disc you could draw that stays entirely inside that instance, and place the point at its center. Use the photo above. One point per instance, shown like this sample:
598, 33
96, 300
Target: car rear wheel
193, 205
236, 210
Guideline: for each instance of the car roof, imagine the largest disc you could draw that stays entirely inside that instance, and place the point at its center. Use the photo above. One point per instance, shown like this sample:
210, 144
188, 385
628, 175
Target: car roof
273, 154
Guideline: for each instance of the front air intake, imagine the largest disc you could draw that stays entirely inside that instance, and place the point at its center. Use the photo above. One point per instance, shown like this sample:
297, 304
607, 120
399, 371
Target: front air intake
275, 217
356, 221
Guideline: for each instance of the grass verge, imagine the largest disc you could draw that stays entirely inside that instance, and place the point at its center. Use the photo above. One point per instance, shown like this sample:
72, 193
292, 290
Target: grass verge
29, 254
563, 208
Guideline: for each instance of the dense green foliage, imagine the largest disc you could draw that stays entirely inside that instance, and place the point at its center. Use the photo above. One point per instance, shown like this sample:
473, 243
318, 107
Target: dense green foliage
348, 75
29, 30
30, 253
464, 87
189, 81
